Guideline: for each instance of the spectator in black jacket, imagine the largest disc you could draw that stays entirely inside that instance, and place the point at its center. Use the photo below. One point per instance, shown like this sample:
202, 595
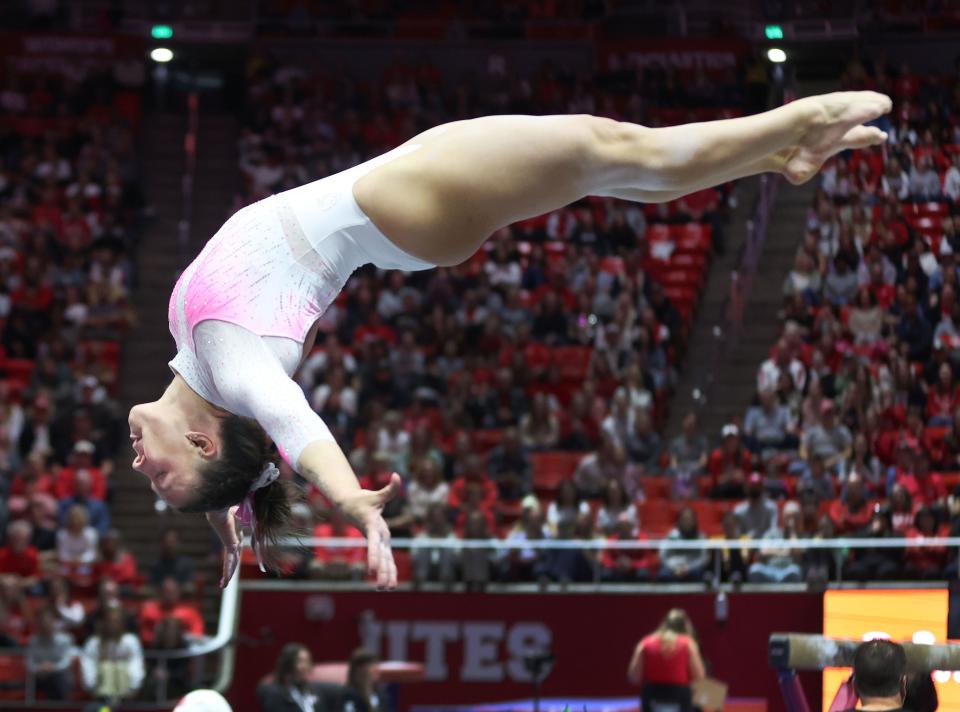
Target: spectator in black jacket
362, 694
291, 690
171, 563
510, 467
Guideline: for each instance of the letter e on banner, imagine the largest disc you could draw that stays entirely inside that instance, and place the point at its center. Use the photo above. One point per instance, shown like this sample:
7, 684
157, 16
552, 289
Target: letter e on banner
435, 637
481, 655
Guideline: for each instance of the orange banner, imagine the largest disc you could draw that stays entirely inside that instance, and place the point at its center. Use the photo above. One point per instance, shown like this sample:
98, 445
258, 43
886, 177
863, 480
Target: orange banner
918, 616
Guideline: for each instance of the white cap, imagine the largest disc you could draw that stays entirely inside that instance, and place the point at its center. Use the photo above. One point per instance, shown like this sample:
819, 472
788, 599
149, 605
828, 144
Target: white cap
203, 701
85, 446
730, 429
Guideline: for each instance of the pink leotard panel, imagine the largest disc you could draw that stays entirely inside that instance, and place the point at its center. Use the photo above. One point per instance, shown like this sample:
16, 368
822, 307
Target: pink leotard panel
242, 309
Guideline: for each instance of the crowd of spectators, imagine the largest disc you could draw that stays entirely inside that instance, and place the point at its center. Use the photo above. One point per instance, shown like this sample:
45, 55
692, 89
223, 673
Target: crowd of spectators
85, 635
71, 595
854, 428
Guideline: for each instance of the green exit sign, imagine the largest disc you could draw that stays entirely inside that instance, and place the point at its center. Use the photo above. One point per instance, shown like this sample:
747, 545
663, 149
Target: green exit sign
161, 32
773, 32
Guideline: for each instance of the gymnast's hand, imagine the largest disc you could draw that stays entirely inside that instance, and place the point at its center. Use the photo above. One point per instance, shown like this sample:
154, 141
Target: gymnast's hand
365, 510
224, 523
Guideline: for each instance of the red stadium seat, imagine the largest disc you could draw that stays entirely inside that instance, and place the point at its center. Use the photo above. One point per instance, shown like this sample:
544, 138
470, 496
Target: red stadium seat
658, 517
692, 231
19, 369
485, 440
685, 260
553, 467
658, 233
680, 295
12, 675
655, 487
681, 279
509, 512
709, 512
612, 265
932, 209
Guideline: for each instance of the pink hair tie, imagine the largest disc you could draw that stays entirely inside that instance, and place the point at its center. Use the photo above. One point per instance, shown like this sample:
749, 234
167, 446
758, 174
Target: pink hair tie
247, 515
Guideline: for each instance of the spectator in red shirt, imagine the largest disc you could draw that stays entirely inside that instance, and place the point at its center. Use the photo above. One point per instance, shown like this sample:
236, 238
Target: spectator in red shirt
902, 511
729, 465
374, 329
942, 398
926, 562
475, 500
18, 557
628, 565
81, 459
925, 487
473, 472
853, 511
169, 605
33, 477
116, 562
338, 563
16, 615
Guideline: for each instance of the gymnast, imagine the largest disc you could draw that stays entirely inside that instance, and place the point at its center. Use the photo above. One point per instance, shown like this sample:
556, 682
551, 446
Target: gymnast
243, 313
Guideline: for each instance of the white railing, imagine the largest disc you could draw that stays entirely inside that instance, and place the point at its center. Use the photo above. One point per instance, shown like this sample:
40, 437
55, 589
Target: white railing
638, 544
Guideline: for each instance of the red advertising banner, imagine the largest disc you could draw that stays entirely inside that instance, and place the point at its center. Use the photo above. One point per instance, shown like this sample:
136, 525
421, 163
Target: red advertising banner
81, 46
681, 53
473, 645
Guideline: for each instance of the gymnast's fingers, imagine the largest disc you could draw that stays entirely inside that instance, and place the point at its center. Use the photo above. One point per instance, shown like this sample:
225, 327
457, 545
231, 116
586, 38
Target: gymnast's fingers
863, 136
230, 560
393, 571
391, 563
383, 575
373, 548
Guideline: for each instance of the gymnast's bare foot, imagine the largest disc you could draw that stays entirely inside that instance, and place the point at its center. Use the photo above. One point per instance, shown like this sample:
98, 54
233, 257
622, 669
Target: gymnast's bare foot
834, 123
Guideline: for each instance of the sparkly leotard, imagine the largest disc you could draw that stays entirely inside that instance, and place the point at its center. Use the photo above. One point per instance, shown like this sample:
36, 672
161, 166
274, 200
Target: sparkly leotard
241, 311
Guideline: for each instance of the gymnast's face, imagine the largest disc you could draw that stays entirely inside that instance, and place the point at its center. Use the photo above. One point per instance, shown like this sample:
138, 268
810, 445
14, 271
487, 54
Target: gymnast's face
168, 452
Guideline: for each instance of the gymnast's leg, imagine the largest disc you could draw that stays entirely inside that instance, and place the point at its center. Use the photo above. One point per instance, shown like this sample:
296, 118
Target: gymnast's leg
470, 178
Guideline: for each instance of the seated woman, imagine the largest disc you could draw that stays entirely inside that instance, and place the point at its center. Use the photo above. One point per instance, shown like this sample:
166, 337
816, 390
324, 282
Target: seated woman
111, 662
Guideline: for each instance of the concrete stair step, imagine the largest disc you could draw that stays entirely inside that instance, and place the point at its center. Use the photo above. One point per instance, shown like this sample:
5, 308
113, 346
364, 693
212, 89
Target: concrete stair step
143, 370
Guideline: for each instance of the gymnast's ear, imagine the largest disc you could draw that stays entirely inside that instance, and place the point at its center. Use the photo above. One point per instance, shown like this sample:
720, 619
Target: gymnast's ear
205, 445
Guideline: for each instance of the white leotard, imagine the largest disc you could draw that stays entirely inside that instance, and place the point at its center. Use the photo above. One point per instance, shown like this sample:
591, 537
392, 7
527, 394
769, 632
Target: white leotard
241, 311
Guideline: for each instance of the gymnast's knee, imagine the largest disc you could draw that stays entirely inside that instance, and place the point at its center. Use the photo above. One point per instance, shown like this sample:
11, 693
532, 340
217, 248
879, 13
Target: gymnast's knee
622, 152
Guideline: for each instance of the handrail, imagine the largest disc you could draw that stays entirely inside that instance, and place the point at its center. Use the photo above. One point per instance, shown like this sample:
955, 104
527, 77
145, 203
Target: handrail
222, 641
636, 544
190, 140
727, 332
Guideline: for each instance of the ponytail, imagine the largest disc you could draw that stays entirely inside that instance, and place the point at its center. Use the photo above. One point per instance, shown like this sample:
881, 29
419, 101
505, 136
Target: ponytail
273, 507
227, 481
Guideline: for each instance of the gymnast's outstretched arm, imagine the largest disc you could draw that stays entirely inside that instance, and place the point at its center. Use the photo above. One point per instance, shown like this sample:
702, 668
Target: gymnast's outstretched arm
324, 464
256, 386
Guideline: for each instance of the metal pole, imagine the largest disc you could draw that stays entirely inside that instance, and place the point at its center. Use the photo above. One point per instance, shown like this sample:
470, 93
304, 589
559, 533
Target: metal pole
792, 691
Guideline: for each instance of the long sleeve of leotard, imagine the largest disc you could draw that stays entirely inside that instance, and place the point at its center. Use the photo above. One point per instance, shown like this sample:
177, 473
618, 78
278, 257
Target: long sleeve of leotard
250, 381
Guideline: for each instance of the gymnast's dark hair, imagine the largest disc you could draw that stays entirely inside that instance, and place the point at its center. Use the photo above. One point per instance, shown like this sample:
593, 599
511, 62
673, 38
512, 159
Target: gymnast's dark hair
225, 482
